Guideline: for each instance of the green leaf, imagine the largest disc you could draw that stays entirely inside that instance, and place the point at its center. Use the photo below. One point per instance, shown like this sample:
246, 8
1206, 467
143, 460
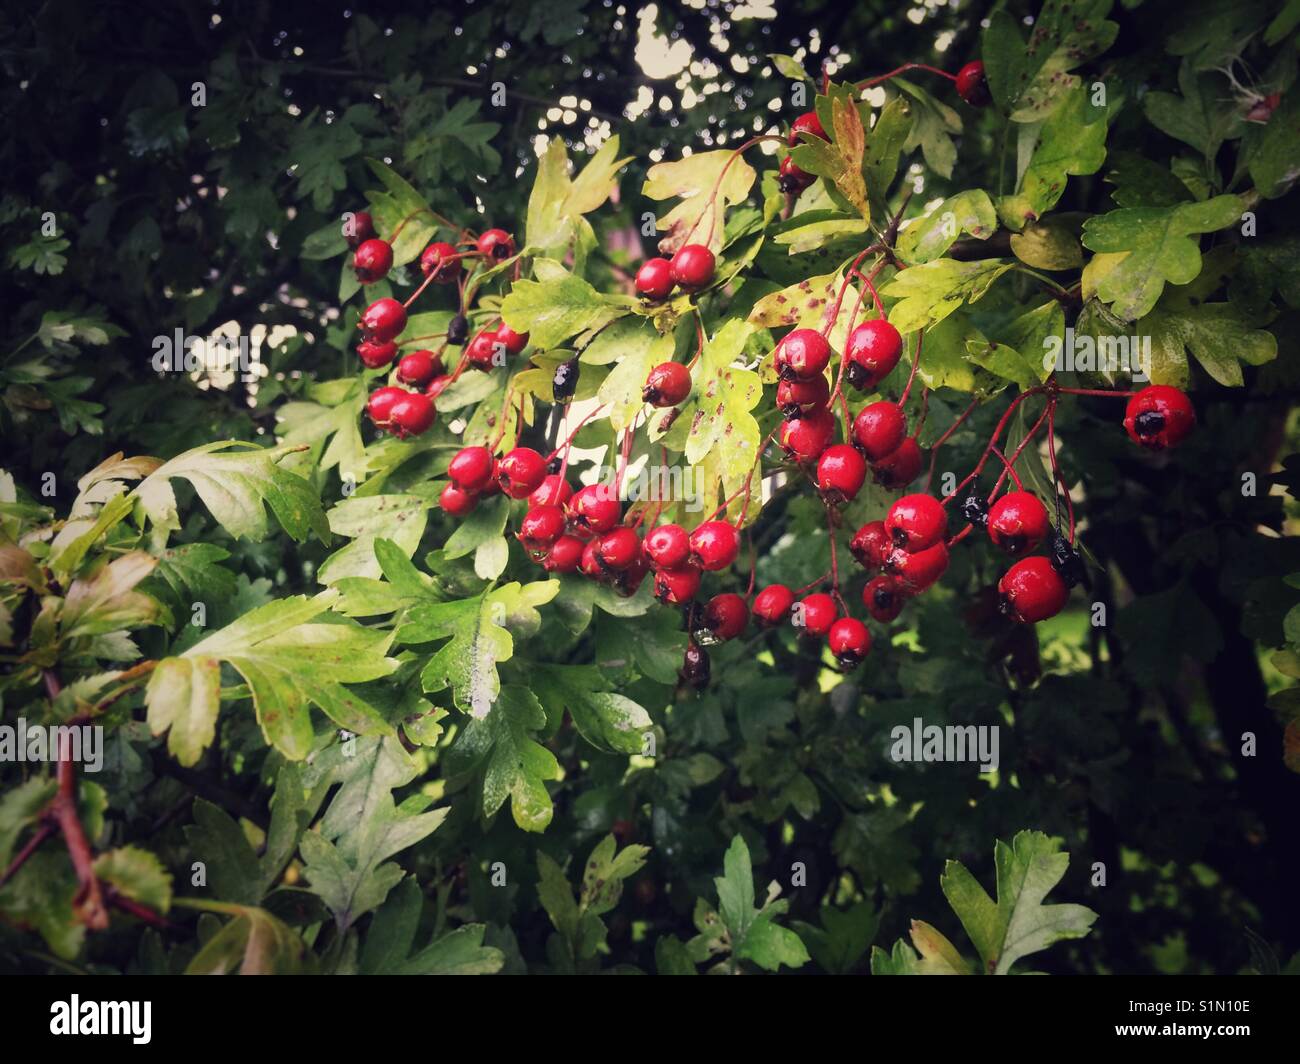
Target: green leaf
934, 124
106, 602
1274, 159
928, 293
365, 519
1158, 246
467, 663
621, 391
557, 204
556, 307
929, 237
724, 396
136, 874
1139, 182
789, 67
517, 766
1028, 78
844, 937
840, 159
288, 663
1204, 116
252, 942
606, 719
1217, 334
803, 304
390, 941
399, 203
754, 933
1018, 924
693, 179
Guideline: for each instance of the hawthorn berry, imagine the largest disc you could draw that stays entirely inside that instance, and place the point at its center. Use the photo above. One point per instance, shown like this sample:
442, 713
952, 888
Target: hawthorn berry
457, 501
972, 85
714, 545
803, 354
917, 571
590, 563
380, 404
695, 666
481, 352
495, 244
1158, 417
974, 510
564, 555
1032, 590
808, 122
900, 467
627, 581
725, 616
471, 468
418, 368
383, 320
1018, 522
795, 397
618, 548
458, 330
692, 267
871, 545
654, 279
772, 605
815, 614
805, 437
361, 229
916, 522
595, 508
841, 470
411, 415
883, 598
564, 385
553, 491
667, 384
437, 386
673, 587
521, 472
879, 429
791, 178
1066, 559
441, 261
667, 546
540, 527
872, 351
514, 341
372, 261
373, 355
849, 641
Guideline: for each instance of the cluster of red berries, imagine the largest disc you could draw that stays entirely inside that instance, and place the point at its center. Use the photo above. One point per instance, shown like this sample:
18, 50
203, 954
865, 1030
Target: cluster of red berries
407, 408
690, 269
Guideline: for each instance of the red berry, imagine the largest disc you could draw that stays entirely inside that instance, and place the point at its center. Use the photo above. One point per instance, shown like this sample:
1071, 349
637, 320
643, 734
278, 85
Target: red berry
595, 508
695, 666
917, 571
916, 522
373, 355
692, 267
482, 351
372, 261
380, 404
541, 526
440, 261
626, 581
667, 384
878, 429
1032, 590
456, 501
803, 354
553, 491
418, 368
675, 586
714, 545
1159, 416
654, 279
471, 469
870, 545
514, 341
437, 386
808, 122
841, 471
804, 438
495, 244
815, 614
411, 415
618, 548
383, 320
791, 178
590, 563
772, 605
668, 546
359, 229
1018, 522
849, 641
726, 616
900, 467
883, 598
972, 85
872, 352
795, 397
564, 555
521, 472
